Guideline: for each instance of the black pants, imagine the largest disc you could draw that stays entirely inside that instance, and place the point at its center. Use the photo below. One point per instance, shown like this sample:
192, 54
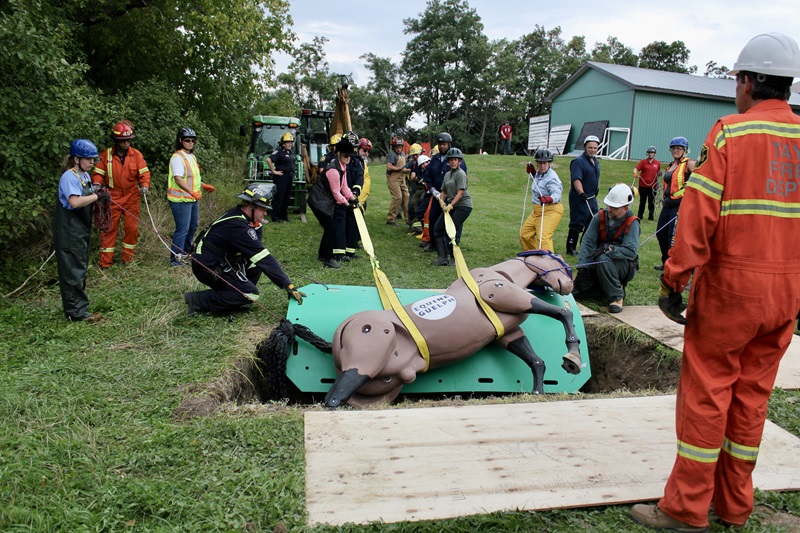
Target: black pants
352, 235
340, 231
71, 234
328, 233
666, 228
646, 196
229, 290
283, 190
459, 215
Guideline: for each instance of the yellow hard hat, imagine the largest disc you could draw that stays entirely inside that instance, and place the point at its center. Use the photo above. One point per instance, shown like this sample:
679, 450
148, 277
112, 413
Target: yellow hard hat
415, 149
435, 150
287, 137
335, 138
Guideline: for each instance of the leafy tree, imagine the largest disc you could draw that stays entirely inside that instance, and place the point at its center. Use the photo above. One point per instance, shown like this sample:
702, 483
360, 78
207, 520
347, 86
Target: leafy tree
379, 109
309, 78
716, 71
446, 54
672, 57
614, 52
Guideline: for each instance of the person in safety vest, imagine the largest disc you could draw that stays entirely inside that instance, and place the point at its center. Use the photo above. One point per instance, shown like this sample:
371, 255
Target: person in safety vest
609, 250
584, 173
282, 165
737, 239
123, 171
72, 228
675, 178
184, 192
229, 257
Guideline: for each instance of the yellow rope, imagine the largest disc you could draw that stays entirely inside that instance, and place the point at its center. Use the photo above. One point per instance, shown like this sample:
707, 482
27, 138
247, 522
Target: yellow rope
464, 273
386, 293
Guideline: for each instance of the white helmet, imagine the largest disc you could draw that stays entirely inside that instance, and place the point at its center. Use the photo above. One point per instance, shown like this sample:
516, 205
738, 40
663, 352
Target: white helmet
590, 138
620, 195
773, 54
423, 159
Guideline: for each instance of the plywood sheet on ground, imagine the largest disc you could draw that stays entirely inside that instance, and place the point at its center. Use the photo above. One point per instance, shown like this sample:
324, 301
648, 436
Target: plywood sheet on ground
419, 464
650, 320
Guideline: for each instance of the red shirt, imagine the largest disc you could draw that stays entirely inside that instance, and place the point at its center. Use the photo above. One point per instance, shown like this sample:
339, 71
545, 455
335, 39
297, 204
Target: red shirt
648, 172
505, 132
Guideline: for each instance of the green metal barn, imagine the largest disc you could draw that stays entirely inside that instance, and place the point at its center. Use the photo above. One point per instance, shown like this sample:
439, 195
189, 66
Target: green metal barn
653, 105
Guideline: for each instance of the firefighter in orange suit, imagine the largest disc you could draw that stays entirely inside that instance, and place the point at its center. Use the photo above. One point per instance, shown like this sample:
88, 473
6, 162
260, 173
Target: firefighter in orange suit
737, 238
123, 170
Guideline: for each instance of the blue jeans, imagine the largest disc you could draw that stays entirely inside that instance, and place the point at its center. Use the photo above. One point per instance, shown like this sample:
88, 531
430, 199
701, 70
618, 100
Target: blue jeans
186, 215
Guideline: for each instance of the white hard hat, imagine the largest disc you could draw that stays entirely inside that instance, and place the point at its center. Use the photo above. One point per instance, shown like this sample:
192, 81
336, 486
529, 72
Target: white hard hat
620, 195
590, 138
773, 54
423, 159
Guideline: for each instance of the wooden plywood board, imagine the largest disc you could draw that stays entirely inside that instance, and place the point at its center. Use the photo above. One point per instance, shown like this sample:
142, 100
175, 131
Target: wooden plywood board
537, 132
419, 464
650, 320
558, 138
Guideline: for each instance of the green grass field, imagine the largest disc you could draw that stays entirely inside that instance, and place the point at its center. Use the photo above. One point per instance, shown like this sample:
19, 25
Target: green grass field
89, 440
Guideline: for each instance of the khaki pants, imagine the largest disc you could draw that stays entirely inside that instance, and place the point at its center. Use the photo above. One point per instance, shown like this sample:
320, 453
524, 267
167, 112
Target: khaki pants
533, 227
399, 191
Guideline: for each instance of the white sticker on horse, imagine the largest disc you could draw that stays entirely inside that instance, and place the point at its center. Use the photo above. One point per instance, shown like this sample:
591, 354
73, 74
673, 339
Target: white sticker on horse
435, 307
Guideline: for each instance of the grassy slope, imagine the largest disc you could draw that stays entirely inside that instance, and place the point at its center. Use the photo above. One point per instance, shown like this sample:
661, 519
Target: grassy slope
87, 435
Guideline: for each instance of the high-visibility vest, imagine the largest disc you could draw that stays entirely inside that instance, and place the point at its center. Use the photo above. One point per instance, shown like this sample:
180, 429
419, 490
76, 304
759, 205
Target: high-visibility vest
622, 230
192, 177
678, 181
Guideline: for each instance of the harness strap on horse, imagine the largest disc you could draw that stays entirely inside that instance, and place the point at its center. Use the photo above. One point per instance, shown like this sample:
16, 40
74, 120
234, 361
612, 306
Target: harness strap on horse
387, 295
464, 273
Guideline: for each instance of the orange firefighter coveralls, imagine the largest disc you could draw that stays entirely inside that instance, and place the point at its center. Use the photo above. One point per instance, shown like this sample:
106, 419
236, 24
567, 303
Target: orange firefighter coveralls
740, 220
123, 180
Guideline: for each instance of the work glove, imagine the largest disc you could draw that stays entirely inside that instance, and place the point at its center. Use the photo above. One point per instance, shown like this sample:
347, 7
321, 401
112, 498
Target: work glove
531, 168
102, 195
447, 208
206, 187
96, 187
583, 196
144, 190
197, 195
671, 303
356, 190
353, 203
292, 291
546, 199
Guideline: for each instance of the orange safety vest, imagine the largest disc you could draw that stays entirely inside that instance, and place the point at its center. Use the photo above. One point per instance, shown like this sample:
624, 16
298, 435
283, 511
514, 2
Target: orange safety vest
622, 230
678, 182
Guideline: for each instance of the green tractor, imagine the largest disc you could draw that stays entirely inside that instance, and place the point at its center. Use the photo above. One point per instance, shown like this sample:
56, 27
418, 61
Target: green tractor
311, 133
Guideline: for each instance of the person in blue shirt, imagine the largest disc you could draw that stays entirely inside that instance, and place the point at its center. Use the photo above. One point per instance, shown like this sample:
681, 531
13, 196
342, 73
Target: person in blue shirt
72, 228
585, 178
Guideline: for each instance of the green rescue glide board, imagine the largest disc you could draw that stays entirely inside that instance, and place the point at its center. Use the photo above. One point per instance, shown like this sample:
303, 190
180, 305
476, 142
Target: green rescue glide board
492, 369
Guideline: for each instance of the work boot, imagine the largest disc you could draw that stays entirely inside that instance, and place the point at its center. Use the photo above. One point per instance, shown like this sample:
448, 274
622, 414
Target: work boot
714, 518
198, 302
572, 242
331, 263
658, 267
441, 249
654, 518
615, 307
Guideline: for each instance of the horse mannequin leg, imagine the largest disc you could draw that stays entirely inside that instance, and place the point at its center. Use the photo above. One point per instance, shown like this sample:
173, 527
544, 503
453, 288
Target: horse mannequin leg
504, 296
517, 343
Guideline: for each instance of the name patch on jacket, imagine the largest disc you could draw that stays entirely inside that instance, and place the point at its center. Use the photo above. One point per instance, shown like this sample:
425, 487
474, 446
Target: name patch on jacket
252, 234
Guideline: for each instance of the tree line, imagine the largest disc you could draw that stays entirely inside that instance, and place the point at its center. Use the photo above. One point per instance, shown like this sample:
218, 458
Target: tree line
73, 68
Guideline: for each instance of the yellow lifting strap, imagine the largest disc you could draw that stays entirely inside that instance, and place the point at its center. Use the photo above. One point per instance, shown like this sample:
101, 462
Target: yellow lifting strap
464, 273
387, 295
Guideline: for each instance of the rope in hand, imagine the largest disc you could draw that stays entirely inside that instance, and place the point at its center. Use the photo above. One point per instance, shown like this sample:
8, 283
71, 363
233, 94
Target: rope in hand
101, 215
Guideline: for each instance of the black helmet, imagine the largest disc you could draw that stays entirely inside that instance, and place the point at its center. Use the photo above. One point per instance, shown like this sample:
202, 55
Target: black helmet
259, 194
345, 147
544, 155
454, 153
185, 133
444, 137
651, 149
351, 136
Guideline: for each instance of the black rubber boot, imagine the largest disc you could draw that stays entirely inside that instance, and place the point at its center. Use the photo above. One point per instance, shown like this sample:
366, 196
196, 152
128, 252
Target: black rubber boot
572, 242
441, 250
198, 302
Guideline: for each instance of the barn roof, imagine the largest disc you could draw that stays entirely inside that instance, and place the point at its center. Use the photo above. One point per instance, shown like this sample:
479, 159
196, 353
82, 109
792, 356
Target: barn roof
643, 79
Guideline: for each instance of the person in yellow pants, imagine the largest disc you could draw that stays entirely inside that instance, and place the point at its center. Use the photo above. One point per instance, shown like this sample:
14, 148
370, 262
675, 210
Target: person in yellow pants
538, 230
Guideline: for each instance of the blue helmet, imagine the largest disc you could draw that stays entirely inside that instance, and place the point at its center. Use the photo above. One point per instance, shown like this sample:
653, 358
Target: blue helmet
83, 148
679, 141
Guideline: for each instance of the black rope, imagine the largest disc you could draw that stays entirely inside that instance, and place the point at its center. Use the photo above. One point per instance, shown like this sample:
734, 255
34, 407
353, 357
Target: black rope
273, 352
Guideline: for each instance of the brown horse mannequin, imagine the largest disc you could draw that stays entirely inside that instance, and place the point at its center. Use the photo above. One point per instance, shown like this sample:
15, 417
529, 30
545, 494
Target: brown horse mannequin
374, 354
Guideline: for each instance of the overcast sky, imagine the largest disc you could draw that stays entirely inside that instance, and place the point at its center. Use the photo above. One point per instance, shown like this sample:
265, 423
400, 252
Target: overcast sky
713, 30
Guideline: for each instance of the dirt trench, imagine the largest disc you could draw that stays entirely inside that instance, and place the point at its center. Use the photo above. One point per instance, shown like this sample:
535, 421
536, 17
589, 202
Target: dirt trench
622, 360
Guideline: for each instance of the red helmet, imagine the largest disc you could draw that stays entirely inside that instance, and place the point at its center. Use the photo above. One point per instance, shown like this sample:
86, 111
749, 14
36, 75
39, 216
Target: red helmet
364, 144
122, 131
397, 141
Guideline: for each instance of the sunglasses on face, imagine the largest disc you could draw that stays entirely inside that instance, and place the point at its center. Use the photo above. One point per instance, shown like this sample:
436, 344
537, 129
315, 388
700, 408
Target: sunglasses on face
188, 141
